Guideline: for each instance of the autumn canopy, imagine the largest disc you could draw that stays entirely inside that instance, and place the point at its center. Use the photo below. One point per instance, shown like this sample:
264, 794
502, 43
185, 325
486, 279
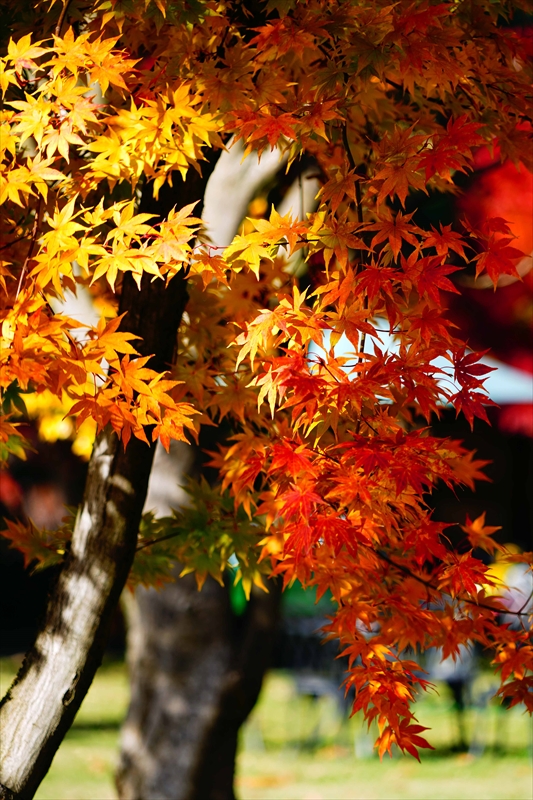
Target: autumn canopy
287, 330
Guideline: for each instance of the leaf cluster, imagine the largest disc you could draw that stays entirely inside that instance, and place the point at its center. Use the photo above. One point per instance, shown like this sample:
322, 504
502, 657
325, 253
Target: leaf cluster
328, 389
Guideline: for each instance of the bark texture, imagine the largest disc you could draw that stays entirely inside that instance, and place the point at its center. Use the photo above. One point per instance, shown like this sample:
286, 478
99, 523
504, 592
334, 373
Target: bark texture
57, 672
196, 671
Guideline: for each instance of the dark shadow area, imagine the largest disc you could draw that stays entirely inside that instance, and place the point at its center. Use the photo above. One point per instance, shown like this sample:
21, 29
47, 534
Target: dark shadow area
507, 497
41, 488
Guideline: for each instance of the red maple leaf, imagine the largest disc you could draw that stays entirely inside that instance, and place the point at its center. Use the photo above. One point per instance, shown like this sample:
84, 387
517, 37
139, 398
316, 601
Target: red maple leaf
480, 535
467, 369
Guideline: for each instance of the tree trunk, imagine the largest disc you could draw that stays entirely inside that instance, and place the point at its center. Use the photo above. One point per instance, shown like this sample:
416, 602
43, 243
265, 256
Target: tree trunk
195, 668
196, 671
58, 670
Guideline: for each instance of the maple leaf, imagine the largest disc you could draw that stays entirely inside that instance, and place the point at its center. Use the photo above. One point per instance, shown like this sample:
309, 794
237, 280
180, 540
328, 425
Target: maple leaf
267, 324
462, 575
249, 250
108, 341
335, 238
499, 259
33, 118
441, 160
452, 150
375, 280
279, 228
352, 322
22, 53
394, 230
11, 441
428, 324
8, 77
273, 128
44, 547
432, 278
472, 404
174, 234
174, 423
14, 186
61, 236
468, 370
445, 241
514, 660
338, 188
293, 458
420, 19
41, 171
299, 501
397, 179
206, 264
408, 738
462, 133
519, 691
479, 534
128, 225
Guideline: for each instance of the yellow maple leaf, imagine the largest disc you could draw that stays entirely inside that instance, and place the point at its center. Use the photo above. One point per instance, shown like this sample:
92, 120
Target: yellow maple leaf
22, 53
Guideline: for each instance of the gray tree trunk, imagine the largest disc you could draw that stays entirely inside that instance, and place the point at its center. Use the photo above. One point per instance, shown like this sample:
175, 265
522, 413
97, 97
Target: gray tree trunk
196, 672
57, 672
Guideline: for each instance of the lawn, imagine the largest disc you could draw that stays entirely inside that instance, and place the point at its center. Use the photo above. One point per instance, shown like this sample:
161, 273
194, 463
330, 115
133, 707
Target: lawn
297, 748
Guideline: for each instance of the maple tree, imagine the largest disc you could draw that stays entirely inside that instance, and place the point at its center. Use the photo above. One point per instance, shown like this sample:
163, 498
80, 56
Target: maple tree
118, 107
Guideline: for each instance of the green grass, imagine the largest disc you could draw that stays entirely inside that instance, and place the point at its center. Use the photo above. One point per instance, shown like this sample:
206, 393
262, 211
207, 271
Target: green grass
85, 763
293, 748
276, 764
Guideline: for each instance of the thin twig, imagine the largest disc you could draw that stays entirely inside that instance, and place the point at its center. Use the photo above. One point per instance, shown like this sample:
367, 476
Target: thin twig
150, 542
359, 205
429, 585
57, 31
347, 146
527, 600
14, 241
362, 417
